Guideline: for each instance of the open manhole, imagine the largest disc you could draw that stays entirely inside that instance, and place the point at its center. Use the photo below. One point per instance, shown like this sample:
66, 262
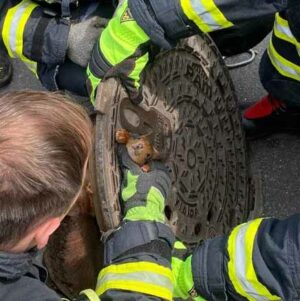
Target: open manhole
73, 256
190, 109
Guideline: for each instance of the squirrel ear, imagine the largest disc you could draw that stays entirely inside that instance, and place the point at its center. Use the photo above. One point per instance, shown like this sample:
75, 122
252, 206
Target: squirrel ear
122, 136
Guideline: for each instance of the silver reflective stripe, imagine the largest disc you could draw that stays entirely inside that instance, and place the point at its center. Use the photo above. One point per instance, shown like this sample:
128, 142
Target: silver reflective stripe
280, 66
284, 67
203, 13
145, 277
285, 30
15, 25
240, 264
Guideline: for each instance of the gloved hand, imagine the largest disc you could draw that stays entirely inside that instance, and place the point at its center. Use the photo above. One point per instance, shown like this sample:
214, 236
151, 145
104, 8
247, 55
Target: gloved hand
121, 51
82, 38
182, 273
143, 193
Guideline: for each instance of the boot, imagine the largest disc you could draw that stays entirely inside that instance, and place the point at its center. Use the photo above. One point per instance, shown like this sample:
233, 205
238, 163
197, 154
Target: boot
6, 69
270, 115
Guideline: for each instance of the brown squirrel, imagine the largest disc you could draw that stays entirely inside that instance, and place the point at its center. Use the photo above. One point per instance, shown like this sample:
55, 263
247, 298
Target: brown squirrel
140, 149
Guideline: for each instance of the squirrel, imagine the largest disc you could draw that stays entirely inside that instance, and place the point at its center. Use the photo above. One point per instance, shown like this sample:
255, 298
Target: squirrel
140, 149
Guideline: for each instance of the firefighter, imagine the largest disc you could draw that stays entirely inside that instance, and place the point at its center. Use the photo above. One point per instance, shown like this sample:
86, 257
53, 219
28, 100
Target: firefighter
53, 38
47, 35
257, 260
137, 22
280, 76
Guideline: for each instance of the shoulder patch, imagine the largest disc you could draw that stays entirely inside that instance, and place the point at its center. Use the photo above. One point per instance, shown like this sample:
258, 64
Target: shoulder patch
127, 16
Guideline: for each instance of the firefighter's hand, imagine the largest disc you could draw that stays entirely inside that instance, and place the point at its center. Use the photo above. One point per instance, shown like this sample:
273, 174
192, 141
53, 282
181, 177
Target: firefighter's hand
143, 193
82, 38
121, 51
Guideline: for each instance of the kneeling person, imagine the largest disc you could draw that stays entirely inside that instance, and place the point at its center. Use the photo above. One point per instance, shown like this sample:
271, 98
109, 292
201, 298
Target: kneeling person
45, 142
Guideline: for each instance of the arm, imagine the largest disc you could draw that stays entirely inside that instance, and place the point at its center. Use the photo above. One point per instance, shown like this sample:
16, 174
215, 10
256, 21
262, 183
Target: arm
122, 48
259, 260
137, 255
167, 21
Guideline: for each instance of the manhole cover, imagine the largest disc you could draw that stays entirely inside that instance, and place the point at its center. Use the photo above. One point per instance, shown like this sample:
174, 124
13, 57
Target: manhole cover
190, 108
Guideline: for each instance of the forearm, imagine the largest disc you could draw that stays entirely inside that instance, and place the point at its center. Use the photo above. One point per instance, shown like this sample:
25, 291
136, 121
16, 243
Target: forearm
137, 258
259, 260
167, 21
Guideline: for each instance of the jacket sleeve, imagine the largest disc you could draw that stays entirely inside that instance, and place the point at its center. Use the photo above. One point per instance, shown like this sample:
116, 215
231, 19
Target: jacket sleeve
258, 260
167, 21
137, 263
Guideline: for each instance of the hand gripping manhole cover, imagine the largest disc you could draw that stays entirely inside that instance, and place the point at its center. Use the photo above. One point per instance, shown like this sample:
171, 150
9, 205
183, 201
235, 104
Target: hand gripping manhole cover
190, 109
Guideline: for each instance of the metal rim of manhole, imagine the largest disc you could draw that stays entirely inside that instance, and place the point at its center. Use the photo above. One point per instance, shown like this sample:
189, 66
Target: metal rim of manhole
195, 123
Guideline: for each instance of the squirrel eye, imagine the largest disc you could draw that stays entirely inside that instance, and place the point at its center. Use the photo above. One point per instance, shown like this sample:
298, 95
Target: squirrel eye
148, 156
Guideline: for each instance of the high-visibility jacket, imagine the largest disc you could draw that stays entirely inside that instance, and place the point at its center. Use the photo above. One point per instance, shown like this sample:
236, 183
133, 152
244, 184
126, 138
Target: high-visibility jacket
32, 34
258, 260
37, 33
284, 46
166, 21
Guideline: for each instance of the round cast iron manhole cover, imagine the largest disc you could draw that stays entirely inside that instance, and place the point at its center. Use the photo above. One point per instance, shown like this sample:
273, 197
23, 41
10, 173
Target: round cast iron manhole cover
190, 109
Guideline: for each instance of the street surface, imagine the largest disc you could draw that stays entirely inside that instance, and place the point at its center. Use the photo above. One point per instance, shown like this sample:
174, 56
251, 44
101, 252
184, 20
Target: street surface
276, 160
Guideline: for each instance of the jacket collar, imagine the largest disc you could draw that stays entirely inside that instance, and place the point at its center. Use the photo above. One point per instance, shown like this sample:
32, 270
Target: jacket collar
13, 266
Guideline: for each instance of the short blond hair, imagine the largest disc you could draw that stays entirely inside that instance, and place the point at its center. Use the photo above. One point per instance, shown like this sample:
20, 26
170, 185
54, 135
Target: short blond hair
45, 140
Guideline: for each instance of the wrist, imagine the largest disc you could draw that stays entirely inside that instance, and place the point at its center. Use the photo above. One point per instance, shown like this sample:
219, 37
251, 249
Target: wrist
147, 213
133, 237
153, 210
185, 278
184, 286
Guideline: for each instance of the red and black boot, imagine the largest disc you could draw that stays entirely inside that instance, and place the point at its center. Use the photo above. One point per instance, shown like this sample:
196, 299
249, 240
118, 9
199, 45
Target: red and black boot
270, 115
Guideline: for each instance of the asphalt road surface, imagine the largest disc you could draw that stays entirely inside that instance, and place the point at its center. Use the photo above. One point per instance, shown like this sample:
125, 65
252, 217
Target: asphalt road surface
275, 160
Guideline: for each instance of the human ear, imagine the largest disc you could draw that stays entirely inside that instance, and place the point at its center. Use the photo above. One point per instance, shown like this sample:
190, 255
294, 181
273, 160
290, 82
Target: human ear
44, 231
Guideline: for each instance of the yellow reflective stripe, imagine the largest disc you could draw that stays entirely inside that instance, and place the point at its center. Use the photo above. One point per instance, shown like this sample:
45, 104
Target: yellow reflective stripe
282, 31
205, 14
25, 7
146, 278
20, 31
141, 266
216, 13
282, 65
149, 277
143, 277
135, 286
193, 16
91, 294
240, 265
280, 20
250, 271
